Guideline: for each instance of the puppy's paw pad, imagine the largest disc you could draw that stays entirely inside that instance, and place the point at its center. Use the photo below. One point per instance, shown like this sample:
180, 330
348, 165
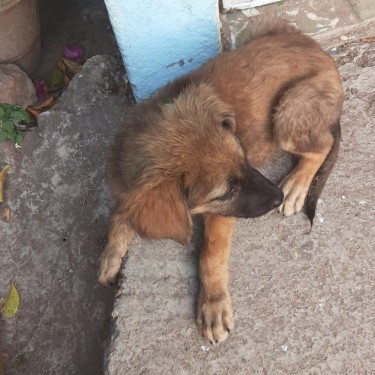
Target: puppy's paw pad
215, 318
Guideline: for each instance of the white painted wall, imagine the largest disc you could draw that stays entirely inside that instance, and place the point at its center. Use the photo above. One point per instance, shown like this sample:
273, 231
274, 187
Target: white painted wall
162, 39
244, 4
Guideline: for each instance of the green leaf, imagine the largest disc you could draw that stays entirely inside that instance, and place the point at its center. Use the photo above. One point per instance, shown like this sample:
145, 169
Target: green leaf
8, 108
11, 136
19, 360
19, 138
12, 302
20, 115
8, 126
2, 112
5, 106
57, 79
3, 136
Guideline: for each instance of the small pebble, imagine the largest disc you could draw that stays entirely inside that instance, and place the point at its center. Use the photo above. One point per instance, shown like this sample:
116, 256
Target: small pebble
343, 37
320, 218
333, 51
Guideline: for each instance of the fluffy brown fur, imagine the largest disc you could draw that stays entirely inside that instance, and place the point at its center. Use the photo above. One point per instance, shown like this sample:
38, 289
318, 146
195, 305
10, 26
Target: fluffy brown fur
191, 150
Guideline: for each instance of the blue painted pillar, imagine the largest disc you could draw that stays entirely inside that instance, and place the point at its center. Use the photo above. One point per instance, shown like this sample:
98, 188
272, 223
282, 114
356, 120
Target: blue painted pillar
162, 39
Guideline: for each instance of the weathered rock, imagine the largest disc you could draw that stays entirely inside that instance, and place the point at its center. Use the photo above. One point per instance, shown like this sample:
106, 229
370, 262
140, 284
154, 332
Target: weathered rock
15, 86
59, 214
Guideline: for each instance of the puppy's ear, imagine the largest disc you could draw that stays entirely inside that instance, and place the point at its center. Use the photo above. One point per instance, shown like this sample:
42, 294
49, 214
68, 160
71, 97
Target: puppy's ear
161, 211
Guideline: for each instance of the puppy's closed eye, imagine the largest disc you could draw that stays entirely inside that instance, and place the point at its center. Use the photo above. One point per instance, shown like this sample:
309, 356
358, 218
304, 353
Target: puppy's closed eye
229, 194
228, 122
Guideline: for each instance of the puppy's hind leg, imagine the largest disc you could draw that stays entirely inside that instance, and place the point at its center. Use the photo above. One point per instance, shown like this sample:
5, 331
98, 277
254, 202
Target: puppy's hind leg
119, 239
305, 124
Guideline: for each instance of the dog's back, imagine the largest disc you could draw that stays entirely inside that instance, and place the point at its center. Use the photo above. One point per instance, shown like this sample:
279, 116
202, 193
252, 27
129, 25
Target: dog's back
254, 77
286, 93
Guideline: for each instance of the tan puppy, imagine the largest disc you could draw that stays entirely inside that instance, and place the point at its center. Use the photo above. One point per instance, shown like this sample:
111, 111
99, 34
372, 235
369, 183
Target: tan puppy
191, 150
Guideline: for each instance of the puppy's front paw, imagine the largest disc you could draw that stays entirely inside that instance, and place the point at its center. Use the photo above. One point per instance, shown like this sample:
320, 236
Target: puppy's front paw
109, 266
295, 187
215, 317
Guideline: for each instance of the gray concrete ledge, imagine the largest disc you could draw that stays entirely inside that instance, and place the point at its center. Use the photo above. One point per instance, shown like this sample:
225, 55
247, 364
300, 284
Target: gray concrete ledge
60, 208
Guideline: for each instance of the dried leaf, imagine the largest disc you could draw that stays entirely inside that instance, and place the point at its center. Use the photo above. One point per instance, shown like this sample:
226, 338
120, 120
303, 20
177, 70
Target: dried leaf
60, 65
6, 215
11, 302
33, 112
66, 80
57, 79
45, 104
3, 176
369, 39
72, 66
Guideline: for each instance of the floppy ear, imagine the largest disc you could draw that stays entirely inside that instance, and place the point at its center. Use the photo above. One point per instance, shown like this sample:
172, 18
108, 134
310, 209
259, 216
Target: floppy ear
161, 211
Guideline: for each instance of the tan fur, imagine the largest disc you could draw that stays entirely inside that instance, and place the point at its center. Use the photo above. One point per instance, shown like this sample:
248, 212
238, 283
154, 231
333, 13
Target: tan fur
187, 151
215, 316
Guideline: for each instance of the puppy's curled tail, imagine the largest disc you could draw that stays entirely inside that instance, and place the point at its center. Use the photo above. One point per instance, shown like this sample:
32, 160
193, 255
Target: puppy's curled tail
321, 176
260, 26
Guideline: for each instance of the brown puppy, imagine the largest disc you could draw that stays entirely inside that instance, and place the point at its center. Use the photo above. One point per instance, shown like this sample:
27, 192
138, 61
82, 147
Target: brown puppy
188, 151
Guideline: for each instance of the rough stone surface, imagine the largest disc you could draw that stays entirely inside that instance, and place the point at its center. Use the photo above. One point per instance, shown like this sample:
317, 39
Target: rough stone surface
303, 301
59, 216
310, 16
15, 86
364, 8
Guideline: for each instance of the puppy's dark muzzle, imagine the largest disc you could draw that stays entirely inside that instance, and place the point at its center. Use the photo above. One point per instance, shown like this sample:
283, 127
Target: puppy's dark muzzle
258, 195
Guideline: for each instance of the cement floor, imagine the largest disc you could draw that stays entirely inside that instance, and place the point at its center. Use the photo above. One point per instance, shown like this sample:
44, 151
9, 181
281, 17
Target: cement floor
311, 16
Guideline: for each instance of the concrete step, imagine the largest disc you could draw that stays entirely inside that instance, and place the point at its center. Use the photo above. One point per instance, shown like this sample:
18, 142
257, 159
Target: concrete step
312, 17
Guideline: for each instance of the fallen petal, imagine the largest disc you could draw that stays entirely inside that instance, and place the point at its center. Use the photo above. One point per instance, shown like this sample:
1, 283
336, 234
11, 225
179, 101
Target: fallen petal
73, 52
41, 88
7, 215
